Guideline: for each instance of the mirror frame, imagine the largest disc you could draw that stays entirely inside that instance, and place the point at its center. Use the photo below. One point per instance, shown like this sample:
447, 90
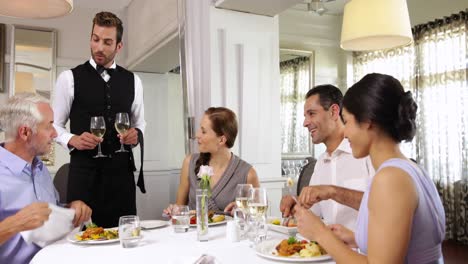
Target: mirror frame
311, 55
48, 159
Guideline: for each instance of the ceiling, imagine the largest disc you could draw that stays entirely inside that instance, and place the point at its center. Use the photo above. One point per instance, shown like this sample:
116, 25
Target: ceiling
102, 4
295, 23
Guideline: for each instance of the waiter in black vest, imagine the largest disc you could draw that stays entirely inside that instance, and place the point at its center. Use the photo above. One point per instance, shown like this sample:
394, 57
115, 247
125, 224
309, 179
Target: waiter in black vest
99, 87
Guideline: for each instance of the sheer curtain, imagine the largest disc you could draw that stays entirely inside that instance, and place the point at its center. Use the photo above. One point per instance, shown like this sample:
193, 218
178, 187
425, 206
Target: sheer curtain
294, 84
435, 69
443, 100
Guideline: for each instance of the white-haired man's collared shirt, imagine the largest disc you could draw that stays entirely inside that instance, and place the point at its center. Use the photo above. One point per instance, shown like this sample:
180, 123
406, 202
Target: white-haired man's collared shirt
341, 169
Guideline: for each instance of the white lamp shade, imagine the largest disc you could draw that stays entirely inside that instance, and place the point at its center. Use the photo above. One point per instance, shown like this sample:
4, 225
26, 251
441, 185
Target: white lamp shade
35, 8
375, 25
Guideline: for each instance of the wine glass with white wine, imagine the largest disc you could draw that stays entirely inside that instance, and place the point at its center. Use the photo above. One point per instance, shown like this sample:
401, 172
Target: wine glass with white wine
98, 128
258, 207
122, 125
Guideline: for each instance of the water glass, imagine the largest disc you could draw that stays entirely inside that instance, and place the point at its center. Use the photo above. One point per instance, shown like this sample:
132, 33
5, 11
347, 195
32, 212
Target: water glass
241, 218
180, 215
129, 231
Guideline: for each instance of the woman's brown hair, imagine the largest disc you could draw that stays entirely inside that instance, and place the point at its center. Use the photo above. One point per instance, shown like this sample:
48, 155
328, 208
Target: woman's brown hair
223, 123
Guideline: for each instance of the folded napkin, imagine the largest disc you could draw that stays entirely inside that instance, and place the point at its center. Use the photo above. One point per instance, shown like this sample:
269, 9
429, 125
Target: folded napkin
58, 225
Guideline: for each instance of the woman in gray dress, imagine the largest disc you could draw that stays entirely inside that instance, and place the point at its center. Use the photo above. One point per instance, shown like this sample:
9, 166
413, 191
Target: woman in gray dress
215, 137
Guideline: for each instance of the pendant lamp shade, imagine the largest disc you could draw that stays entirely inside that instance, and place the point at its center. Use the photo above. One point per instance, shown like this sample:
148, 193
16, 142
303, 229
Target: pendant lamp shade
375, 25
35, 8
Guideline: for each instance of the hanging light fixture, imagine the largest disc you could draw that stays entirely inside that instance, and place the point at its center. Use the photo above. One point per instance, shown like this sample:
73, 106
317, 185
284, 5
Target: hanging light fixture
375, 25
35, 8
317, 6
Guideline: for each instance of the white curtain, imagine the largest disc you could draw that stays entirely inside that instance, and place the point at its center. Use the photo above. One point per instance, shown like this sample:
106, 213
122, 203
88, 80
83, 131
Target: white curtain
294, 84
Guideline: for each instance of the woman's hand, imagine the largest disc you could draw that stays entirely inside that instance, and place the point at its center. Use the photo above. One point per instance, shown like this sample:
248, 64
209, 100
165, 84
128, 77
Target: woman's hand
167, 211
308, 224
230, 208
343, 233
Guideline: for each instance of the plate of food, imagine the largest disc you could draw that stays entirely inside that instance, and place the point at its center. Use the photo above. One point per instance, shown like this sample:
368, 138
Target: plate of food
292, 250
213, 219
94, 235
152, 224
283, 225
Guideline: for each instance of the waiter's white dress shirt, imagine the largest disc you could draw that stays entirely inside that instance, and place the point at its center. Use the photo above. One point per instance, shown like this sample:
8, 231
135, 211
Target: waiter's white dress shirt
340, 169
63, 99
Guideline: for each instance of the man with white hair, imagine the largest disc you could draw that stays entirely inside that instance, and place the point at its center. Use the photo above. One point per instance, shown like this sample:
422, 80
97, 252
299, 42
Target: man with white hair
26, 187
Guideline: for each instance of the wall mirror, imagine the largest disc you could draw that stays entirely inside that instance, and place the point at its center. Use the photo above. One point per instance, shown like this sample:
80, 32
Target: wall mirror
32, 65
297, 77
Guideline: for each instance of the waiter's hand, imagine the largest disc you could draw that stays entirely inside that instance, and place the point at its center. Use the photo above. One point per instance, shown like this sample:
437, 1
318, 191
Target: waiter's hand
84, 141
129, 138
82, 212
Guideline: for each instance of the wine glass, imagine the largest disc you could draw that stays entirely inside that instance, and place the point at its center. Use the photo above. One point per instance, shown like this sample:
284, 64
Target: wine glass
122, 124
242, 195
241, 215
258, 206
98, 128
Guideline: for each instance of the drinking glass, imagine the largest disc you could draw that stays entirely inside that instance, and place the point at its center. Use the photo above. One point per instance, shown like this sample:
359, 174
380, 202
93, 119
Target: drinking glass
180, 218
258, 206
242, 195
129, 231
257, 202
122, 124
241, 219
98, 128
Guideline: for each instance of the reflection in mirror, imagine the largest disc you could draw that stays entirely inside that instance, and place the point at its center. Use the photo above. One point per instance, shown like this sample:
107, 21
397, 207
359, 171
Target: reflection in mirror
297, 77
32, 65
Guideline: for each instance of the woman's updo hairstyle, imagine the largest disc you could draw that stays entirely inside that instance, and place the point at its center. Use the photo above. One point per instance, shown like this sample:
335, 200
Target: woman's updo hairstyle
381, 99
223, 123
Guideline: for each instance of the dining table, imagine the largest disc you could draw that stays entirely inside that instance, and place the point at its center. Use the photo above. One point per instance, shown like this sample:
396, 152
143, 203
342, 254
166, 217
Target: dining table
162, 245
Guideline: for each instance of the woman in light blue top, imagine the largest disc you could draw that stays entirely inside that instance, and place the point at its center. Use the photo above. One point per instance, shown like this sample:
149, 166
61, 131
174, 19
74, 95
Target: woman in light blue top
401, 218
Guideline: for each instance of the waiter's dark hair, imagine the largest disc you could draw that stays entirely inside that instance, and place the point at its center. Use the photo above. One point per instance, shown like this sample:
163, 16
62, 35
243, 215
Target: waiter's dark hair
223, 123
108, 19
381, 99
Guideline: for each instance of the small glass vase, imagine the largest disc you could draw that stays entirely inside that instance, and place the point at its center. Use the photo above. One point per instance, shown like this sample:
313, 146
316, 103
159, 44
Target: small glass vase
202, 214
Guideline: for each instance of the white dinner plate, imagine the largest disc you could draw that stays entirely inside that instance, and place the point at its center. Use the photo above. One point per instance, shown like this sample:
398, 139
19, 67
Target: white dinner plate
226, 218
267, 249
152, 224
71, 238
292, 231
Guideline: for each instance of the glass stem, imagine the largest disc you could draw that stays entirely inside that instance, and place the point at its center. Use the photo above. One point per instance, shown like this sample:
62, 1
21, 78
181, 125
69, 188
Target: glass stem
99, 148
122, 147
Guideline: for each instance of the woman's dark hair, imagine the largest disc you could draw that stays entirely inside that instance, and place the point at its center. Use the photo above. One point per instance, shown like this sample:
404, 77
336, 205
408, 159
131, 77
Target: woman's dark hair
381, 99
223, 123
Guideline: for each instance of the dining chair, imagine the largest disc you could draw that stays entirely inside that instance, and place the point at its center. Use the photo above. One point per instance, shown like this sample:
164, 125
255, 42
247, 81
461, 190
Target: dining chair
306, 174
61, 181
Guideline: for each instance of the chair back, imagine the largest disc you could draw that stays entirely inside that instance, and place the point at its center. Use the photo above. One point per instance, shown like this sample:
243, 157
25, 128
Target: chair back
305, 174
61, 182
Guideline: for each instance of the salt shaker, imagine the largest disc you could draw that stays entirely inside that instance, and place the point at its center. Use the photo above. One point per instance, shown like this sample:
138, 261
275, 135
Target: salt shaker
232, 231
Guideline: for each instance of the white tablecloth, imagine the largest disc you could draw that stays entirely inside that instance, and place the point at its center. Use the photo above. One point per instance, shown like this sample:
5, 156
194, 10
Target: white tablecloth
158, 246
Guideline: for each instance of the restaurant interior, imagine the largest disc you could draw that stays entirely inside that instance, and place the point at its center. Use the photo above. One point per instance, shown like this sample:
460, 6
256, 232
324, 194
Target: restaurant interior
259, 58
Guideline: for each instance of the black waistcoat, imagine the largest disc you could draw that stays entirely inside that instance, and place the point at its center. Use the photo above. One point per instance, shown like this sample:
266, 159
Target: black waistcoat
94, 97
